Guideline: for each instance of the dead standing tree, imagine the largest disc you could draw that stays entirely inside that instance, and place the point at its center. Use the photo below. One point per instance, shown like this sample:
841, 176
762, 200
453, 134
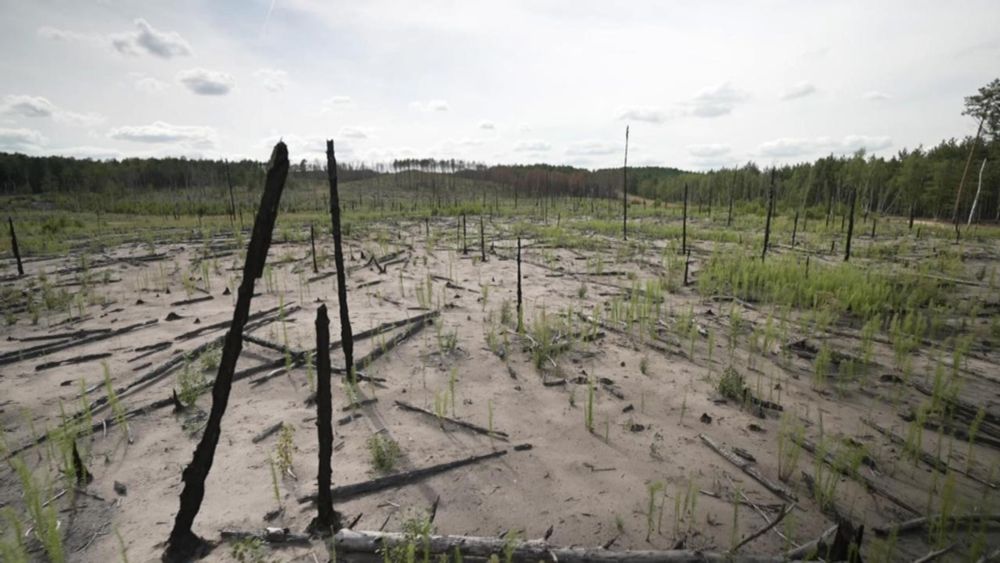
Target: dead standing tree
328, 519
770, 211
346, 337
13, 244
625, 190
183, 544
850, 226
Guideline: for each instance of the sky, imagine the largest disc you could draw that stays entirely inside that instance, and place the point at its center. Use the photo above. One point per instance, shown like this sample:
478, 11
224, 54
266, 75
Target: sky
701, 84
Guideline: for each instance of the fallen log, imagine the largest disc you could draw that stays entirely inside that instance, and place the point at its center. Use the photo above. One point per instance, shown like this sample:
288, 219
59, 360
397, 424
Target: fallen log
46, 349
269, 535
750, 470
370, 546
345, 492
192, 301
62, 335
223, 324
72, 361
918, 524
461, 423
270, 430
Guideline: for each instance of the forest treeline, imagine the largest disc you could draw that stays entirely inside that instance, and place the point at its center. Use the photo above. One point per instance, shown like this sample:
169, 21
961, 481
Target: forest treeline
922, 182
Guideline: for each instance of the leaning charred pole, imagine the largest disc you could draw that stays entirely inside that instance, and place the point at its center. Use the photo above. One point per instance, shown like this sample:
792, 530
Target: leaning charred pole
520, 311
232, 199
312, 243
770, 211
346, 337
625, 190
482, 239
183, 544
13, 245
850, 225
328, 520
684, 223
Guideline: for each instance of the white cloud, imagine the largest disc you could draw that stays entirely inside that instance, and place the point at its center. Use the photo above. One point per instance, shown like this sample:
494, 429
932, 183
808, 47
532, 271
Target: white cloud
790, 147
21, 139
708, 151
532, 146
79, 119
27, 106
57, 34
593, 148
163, 44
206, 82
648, 114
799, 90
338, 101
272, 79
430, 105
161, 132
875, 96
487, 125
352, 133
149, 85
94, 153
716, 101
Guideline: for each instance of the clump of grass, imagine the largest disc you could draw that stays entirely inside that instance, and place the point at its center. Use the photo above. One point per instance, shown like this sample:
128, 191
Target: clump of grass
790, 434
285, 450
384, 452
191, 381
731, 384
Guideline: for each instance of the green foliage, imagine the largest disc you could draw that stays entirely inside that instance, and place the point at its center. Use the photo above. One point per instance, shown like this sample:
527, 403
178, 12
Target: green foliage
191, 382
731, 384
384, 453
285, 449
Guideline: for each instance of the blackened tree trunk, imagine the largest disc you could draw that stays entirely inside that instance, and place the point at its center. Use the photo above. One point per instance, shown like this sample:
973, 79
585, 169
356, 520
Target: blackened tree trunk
465, 239
913, 211
520, 311
232, 199
767, 224
625, 190
850, 226
328, 519
482, 239
183, 544
312, 242
874, 224
795, 228
346, 337
13, 245
732, 192
684, 223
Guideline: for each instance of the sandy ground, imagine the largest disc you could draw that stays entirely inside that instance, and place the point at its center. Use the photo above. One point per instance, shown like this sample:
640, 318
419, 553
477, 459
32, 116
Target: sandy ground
590, 487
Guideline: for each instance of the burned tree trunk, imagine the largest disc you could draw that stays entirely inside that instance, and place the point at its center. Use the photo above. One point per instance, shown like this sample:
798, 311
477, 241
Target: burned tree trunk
232, 199
732, 191
347, 339
795, 227
328, 519
312, 242
625, 190
482, 239
183, 544
767, 224
684, 224
850, 226
13, 244
520, 311
465, 238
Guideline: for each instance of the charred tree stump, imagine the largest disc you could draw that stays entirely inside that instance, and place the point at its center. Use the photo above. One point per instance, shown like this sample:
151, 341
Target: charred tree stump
346, 337
770, 212
795, 228
687, 263
684, 223
328, 519
183, 544
625, 190
83, 477
13, 245
874, 224
312, 243
520, 311
850, 226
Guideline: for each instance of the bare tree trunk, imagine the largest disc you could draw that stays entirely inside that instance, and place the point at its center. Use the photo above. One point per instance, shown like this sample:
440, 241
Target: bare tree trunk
183, 544
232, 199
732, 191
312, 242
965, 172
520, 311
795, 228
482, 239
770, 211
346, 337
979, 188
625, 190
328, 519
13, 244
850, 226
684, 223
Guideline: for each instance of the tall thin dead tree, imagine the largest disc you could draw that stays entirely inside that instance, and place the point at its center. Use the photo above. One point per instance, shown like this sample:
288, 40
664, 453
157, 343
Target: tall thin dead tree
732, 192
482, 239
232, 199
625, 190
770, 211
346, 337
183, 544
520, 311
965, 172
328, 519
13, 245
684, 223
850, 225
312, 243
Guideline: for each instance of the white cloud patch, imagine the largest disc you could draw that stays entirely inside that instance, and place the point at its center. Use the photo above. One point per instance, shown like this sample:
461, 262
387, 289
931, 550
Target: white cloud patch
876, 96
593, 148
799, 90
487, 125
714, 150
353, 133
648, 114
146, 39
532, 146
21, 139
94, 153
149, 85
27, 106
716, 101
430, 105
56, 34
79, 119
206, 82
274, 80
161, 132
791, 147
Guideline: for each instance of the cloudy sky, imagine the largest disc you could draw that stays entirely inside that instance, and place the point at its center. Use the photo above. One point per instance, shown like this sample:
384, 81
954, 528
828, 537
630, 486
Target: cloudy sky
702, 84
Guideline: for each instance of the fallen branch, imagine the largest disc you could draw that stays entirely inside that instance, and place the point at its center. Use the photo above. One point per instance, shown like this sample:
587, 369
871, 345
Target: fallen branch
749, 469
917, 524
46, 349
467, 425
781, 516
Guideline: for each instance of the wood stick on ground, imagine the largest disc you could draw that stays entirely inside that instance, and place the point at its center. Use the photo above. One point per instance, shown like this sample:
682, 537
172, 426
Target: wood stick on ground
749, 469
183, 544
467, 425
781, 516
345, 492
932, 555
917, 524
352, 544
270, 430
759, 510
46, 349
